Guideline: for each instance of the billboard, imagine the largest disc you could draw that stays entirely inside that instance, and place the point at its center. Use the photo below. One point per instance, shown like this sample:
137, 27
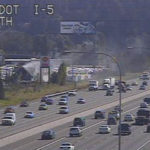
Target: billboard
45, 62
84, 27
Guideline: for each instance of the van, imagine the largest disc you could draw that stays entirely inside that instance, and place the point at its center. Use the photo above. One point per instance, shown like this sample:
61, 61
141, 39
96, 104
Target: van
79, 121
13, 115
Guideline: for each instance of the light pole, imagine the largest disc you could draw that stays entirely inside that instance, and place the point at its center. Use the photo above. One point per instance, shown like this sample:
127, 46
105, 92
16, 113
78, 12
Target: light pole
120, 81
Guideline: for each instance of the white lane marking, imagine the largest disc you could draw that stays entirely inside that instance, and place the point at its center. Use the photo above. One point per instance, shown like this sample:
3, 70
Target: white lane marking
50, 143
85, 129
143, 145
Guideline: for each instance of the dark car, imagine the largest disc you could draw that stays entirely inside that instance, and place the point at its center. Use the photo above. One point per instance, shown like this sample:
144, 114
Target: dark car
147, 100
43, 99
124, 128
109, 92
141, 120
145, 83
9, 109
48, 134
111, 121
99, 114
49, 101
79, 121
148, 128
24, 104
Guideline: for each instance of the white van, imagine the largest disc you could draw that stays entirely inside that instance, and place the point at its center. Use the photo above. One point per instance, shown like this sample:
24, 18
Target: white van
13, 115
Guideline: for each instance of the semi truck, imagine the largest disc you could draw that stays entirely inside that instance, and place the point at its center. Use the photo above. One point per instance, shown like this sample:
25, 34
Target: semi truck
93, 85
108, 83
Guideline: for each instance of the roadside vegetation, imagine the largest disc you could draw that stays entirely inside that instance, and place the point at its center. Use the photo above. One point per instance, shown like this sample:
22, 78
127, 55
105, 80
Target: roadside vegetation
18, 93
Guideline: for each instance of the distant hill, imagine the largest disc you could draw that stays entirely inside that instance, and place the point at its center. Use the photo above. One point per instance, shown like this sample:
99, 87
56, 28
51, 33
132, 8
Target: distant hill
119, 24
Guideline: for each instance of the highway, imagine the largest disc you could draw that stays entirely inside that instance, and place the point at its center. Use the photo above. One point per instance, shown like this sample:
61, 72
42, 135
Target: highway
90, 139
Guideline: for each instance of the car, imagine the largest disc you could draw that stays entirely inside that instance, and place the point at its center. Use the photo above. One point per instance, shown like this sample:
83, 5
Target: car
124, 128
147, 100
48, 134
129, 88
67, 146
148, 128
65, 96
114, 113
63, 101
142, 87
43, 107
8, 120
64, 110
99, 114
75, 131
79, 121
109, 92
134, 83
104, 129
49, 101
72, 93
9, 109
81, 101
24, 104
128, 117
143, 105
43, 99
111, 121
143, 112
145, 83
117, 108
29, 114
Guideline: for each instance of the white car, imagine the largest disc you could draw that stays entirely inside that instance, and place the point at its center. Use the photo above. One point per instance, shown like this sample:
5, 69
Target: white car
128, 117
72, 93
144, 105
64, 110
75, 131
67, 146
8, 120
103, 129
63, 101
134, 83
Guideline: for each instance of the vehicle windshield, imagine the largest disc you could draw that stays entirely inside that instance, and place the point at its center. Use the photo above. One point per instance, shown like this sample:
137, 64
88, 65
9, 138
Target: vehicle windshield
29, 112
7, 117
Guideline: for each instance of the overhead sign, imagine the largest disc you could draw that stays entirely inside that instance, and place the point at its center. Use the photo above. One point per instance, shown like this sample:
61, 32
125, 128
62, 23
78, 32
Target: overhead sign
45, 62
84, 27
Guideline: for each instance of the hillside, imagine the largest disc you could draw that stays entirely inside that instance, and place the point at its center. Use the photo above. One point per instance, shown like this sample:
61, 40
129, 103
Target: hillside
119, 24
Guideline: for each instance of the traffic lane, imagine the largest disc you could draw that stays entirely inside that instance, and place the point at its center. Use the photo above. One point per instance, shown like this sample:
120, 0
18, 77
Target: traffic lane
24, 123
92, 140
44, 119
145, 145
89, 120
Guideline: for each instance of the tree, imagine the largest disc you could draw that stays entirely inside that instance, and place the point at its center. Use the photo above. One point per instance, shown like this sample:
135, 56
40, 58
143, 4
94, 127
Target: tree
62, 74
54, 78
2, 94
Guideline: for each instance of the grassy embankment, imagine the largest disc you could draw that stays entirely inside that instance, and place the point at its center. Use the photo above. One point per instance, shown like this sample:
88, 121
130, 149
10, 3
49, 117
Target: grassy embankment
16, 94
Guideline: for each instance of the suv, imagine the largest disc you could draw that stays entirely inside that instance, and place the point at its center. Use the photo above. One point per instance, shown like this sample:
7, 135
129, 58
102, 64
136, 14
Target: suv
125, 129
111, 121
75, 131
79, 121
48, 134
99, 114
143, 112
114, 113
141, 120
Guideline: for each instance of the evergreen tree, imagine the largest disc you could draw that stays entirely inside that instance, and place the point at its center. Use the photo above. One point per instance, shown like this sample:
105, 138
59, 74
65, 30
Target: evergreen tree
2, 94
62, 74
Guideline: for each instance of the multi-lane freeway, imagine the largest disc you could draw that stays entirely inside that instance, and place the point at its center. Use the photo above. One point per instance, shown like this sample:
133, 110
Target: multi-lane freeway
26, 133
